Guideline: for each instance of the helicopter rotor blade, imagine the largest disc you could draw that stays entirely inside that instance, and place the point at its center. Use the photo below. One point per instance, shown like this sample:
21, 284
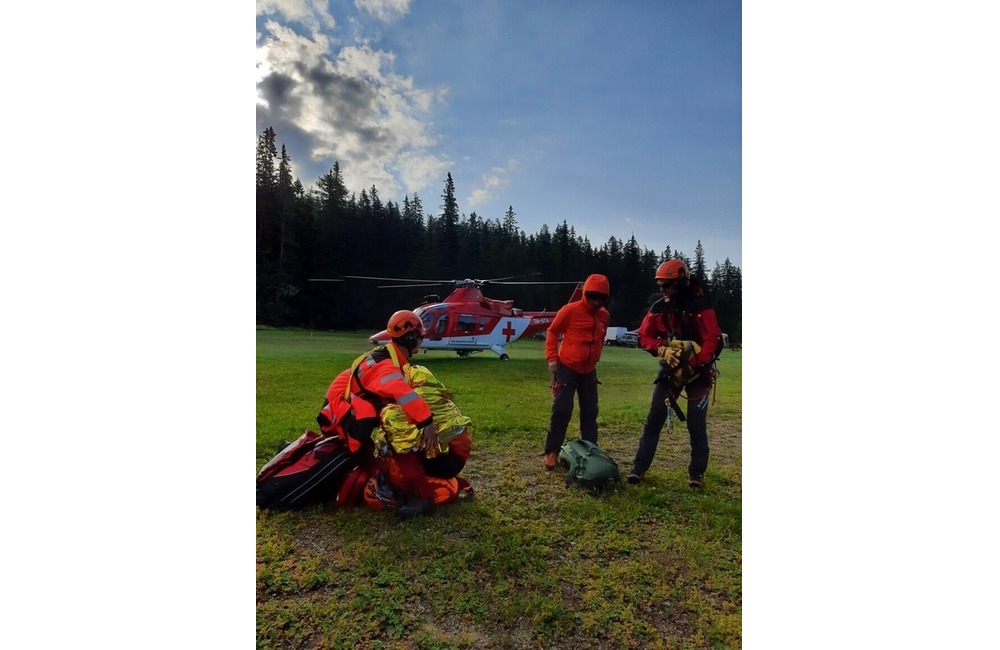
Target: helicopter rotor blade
400, 286
324, 280
554, 282
511, 277
369, 277
422, 282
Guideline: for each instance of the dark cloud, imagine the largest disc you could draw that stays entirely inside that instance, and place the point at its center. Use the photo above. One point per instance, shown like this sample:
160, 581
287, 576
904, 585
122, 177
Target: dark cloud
348, 93
276, 89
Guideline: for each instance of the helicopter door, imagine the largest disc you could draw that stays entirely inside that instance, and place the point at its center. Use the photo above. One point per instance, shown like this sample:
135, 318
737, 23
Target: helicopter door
487, 327
441, 328
465, 330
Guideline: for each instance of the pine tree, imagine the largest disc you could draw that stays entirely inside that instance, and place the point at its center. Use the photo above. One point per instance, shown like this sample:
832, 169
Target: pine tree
330, 245
286, 199
561, 250
268, 224
332, 190
377, 209
449, 228
266, 153
510, 223
699, 264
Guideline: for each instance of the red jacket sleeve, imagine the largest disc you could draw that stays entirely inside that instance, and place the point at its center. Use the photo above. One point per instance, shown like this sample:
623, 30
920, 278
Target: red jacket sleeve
385, 380
651, 332
552, 334
710, 332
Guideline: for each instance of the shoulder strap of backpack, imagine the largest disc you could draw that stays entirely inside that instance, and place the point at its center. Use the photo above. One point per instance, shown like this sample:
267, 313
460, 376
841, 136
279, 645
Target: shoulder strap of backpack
357, 363
577, 457
354, 373
392, 354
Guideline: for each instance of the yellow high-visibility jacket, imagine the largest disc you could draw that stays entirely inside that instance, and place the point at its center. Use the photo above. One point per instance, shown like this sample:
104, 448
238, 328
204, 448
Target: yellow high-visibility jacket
398, 434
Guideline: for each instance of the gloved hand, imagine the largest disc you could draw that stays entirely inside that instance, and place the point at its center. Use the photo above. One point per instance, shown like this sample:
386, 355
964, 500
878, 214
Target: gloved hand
552, 367
671, 355
680, 355
686, 350
429, 440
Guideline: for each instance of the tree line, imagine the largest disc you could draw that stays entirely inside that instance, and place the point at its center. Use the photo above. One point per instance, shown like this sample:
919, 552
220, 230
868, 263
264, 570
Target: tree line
328, 231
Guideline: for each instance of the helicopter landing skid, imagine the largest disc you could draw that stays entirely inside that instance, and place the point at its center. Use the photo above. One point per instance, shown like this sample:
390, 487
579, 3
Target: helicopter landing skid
500, 351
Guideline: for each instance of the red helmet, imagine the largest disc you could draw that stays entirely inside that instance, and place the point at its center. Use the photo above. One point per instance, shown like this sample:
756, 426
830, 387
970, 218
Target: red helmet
403, 322
673, 270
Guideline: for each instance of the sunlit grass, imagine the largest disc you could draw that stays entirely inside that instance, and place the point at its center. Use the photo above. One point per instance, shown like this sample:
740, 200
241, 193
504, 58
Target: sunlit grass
528, 562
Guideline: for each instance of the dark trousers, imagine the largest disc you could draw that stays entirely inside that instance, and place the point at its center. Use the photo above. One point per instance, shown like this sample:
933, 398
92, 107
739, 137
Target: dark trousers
697, 416
569, 383
446, 465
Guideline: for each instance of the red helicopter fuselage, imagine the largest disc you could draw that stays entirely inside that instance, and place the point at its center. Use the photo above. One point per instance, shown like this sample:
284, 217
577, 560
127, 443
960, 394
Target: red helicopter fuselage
467, 321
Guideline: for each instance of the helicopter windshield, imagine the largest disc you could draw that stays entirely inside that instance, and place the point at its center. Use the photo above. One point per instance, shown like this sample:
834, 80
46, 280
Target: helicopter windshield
431, 315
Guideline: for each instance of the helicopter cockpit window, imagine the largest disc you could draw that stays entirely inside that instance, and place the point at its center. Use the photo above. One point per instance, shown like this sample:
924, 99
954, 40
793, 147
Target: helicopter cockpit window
442, 325
466, 324
428, 320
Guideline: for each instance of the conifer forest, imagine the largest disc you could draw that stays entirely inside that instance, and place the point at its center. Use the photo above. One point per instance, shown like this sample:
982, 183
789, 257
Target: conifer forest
328, 231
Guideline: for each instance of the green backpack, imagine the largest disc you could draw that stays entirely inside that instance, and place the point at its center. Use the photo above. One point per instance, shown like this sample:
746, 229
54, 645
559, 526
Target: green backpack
587, 465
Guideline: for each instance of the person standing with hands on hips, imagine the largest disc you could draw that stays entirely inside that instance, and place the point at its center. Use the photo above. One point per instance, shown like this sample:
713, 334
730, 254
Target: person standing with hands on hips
573, 363
681, 329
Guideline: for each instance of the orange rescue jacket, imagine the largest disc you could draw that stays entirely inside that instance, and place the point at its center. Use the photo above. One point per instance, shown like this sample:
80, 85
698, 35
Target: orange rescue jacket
376, 379
582, 328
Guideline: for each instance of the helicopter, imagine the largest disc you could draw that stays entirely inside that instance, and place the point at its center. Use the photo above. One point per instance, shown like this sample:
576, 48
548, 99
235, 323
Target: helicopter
466, 321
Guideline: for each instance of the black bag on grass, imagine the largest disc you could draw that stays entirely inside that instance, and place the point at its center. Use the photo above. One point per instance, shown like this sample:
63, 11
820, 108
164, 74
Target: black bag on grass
309, 470
589, 466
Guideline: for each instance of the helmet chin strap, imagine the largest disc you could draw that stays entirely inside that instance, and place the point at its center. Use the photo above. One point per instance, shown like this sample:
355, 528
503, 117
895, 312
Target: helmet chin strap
408, 343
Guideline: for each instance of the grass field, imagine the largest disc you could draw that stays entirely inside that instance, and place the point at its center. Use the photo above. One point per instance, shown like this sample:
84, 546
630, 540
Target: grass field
527, 563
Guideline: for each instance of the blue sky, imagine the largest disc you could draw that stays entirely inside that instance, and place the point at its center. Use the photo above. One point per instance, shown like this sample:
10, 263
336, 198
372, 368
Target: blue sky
621, 118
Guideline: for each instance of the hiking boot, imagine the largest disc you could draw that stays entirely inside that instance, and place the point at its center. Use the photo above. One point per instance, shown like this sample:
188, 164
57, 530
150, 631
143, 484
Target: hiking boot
414, 509
551, 460
634, 478
465, 490
694, 483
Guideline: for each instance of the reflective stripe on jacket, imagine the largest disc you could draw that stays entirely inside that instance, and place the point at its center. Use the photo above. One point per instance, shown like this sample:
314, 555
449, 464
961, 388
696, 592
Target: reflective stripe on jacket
377, 380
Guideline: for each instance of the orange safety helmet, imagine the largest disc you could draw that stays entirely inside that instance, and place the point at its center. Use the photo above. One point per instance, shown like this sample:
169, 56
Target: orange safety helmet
673, 270
378, 495
403, 322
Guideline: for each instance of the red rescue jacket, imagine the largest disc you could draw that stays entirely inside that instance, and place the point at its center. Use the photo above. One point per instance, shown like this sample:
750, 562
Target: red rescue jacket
583, 329
376, 379
689, 319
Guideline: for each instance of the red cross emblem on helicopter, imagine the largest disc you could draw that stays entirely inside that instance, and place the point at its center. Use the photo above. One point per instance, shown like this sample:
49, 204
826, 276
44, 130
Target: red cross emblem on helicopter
508, 331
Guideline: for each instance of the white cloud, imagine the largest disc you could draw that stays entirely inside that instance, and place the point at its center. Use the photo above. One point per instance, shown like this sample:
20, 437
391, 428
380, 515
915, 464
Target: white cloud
422, 170
363, 62
351, 108
495, 178
384, 10
313, 14
478, 197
